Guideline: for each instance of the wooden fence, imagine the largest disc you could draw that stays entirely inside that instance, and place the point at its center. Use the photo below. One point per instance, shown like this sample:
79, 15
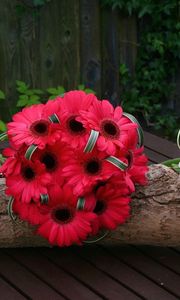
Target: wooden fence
64, 42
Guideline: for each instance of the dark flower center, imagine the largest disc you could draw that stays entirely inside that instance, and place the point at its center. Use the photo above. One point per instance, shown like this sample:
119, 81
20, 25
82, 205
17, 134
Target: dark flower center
75, 127
129, 158
28, 173
100, 207
93, 166
62, 215
98, 185
50, 161
110, 129
40, 127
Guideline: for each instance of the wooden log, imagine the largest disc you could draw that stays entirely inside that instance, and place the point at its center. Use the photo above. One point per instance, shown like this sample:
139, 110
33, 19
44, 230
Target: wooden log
155, 216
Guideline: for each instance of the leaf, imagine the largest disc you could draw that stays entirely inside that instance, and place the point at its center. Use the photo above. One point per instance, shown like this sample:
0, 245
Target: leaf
22, 87
37, 91
123, 69
61, 90
3, 127
2, 95
21, 83
23, 100
32, 102
145, 10
89, 91
52, 91
81, 87
52, 97
34, 98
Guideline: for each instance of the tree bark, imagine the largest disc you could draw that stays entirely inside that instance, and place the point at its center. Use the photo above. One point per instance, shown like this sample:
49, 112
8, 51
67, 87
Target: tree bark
155, 216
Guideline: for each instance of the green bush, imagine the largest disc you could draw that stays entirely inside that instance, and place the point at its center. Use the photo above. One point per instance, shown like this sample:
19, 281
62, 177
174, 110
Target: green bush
28, 96
151, 88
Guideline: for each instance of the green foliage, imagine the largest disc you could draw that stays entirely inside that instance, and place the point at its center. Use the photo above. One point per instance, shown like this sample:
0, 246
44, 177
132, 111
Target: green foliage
86, 90
30, 7
2, 95
151, 88
28, 96
2, 126
54, 92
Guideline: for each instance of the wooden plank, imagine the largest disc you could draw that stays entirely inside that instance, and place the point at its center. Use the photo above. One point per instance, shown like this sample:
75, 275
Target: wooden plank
99, 282
58, 279
29, 50
59, 44
176, 249
165, 256
130, 278
10, 58
90, 44
161, 145
177, 94
24, 280
128, 41
155, 157
8, 292
110, 57
148, 267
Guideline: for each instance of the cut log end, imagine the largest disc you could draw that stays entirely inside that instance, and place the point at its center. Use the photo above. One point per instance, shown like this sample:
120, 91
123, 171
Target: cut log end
155, 216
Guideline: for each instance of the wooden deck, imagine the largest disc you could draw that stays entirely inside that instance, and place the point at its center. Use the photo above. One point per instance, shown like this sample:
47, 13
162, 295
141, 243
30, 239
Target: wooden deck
98, 271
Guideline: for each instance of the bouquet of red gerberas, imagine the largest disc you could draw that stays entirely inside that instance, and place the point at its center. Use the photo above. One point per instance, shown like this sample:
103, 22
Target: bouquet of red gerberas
72, 165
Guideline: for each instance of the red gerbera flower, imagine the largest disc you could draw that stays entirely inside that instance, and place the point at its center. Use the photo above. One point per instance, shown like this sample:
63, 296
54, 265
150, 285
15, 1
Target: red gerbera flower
33, 212
12, 164
30, 183
54, 157
116, 183
73, 131
84, 170
138, 170
111, 124
62, 224
112, 209
32, 126
29, 212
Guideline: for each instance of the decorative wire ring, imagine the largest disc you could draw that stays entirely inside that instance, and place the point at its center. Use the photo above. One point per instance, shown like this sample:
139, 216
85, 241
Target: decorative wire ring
117, 162
54, 118
10, 209
91, 141
44, 198
80, 203
139, 129
30, 150
97, 238
178, 139
3, 136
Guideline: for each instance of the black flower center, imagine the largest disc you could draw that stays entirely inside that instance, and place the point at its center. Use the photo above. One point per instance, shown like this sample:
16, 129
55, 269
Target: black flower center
40, 127
50, 161
75, 127
98, 185
100, 207
93, 166
62, 215
129, 158
110, 129
28, 173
